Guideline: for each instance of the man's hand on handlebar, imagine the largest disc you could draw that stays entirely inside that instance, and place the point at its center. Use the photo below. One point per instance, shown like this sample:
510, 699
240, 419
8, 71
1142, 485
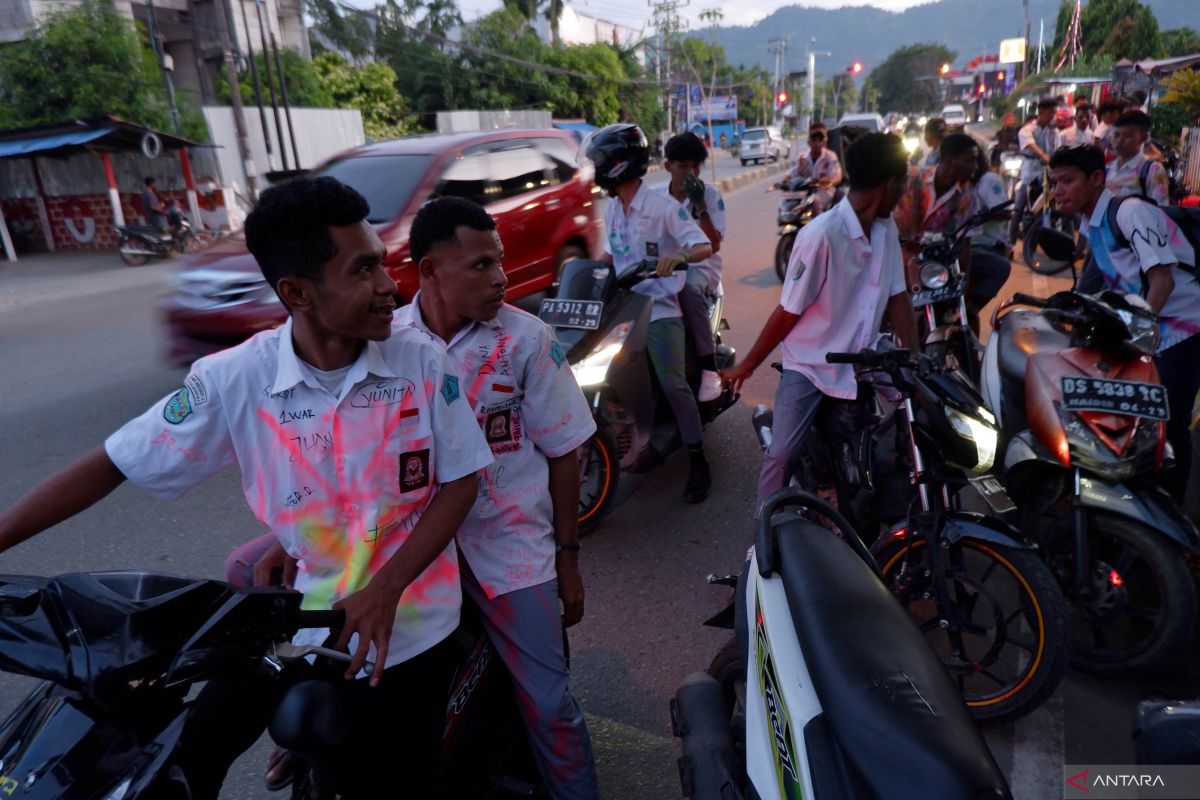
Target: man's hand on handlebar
275, 558
371, 613
736, 375
667, 264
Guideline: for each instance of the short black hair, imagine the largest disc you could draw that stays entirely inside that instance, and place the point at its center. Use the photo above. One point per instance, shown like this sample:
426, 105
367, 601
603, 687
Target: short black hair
685, 147
955, 145
1089, 158
1084, 106
936, 126
1110, 105
1047, 103
150, 181
438, 220
875, 159
1079, 99
1134, 118
288, 231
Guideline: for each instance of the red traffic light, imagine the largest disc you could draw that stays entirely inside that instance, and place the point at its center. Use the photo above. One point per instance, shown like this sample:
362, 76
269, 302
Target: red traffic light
999, 76
856, 67
982, 88
782, 98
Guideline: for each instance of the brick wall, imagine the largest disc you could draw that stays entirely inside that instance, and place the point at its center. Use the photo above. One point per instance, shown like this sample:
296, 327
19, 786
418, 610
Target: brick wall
85, 222
23, 223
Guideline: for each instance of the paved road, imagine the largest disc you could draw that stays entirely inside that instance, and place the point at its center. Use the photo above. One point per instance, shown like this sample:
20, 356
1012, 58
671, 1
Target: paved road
82, 353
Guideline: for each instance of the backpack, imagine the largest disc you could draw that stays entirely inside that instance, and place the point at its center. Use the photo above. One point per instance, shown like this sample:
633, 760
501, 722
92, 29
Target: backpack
1186, 219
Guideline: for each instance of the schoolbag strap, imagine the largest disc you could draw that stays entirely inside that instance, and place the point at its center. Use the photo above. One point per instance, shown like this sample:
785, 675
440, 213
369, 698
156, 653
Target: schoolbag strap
1110, 216
1144, 175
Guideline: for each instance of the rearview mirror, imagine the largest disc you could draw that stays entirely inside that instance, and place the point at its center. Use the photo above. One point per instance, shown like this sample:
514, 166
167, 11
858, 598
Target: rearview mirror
1057, 245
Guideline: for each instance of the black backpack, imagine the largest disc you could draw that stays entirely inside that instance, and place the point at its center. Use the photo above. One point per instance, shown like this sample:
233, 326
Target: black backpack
1186, 219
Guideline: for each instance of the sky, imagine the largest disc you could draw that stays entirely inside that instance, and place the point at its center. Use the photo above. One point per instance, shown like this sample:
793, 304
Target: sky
637, 13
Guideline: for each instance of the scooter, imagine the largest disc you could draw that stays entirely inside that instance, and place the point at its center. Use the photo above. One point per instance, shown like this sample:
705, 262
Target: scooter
1072, 380
602, 325
119, 652
139, 243
797, 208
827, 689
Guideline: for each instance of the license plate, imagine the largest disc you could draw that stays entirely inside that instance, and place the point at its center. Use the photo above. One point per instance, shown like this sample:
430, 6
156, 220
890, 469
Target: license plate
993, 492
1148, 400
583, 314
928, 296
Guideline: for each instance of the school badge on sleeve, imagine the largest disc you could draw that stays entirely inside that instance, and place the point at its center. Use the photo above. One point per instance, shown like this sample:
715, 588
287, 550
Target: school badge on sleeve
449, 388
178, 407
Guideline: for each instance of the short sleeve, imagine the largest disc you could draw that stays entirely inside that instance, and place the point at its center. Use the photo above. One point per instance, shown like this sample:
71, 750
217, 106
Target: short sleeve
683, 228
1158, 188
460, 446
893, 264
807, 272
1025, 138
557, 417
835, 174
179, 442
608, 225
716, 208
1147, 229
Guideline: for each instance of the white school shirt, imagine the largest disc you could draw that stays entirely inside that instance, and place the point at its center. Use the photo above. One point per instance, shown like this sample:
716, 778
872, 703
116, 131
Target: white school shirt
710, 267
839, 284
655, 226
1073, 136
1046, 138
1125, 178
340, 480
529, 407
827, 166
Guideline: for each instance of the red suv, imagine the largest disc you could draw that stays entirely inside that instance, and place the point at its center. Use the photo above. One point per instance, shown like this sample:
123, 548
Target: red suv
528, 179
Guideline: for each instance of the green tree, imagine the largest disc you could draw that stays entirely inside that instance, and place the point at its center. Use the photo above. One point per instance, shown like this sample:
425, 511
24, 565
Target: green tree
1183, 90
348, 32
1181, 42
371, 89
910, 78
304, 86
83, 62
596, 101
834, 97
1120, 29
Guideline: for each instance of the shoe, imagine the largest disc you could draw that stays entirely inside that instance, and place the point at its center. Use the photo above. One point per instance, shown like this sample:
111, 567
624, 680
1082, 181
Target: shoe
699, 480
710, 386
280, 770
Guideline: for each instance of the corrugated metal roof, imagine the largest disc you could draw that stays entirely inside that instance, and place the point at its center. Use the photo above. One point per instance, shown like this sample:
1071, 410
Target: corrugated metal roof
36, 144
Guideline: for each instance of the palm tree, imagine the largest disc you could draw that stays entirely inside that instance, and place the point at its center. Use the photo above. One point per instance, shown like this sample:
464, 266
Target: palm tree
554, 10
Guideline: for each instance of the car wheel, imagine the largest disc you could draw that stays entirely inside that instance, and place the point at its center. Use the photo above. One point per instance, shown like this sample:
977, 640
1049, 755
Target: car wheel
744, 162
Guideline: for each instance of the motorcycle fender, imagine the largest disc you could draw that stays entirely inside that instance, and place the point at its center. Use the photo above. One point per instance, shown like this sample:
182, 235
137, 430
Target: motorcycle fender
1023, 448
968, 525
1149, 506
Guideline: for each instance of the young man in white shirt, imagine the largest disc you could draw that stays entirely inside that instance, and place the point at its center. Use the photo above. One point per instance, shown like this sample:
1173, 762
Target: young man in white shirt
1132, 173
1081, 131
643, 224
685, 155
840, 283
1038, 139
1137, 249
357, 451
518, 547
821, 165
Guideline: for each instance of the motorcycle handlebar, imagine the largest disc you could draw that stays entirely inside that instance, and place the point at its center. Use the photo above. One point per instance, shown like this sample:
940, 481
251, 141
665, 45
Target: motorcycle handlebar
335, 618
849, 358
1030, 300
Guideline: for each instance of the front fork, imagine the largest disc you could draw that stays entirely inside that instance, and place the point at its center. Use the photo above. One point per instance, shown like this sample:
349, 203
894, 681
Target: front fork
584, 454
1083, 575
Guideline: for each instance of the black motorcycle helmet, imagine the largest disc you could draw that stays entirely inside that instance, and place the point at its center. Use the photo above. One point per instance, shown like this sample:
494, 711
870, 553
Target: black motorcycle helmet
619, 153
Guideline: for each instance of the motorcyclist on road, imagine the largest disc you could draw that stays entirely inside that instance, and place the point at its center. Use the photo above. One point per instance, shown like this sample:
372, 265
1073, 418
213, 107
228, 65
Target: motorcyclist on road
366, 494
1006, 139
1038, 139
846, 272
152, 206
1081, 132
935, 131
819, 164
643, 224
1138, 250
685, 155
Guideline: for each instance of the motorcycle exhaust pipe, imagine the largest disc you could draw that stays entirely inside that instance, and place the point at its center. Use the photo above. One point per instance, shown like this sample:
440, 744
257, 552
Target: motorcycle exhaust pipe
708, 767
762, 420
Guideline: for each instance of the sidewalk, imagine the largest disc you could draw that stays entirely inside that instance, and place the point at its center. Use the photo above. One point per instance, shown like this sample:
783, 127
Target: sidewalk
44, 277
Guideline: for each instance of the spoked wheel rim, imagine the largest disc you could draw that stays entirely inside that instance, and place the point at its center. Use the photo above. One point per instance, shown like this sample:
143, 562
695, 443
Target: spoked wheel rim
1000, 640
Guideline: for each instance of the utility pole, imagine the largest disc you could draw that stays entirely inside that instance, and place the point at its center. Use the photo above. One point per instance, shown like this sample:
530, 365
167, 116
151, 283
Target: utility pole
1025, 63
778, 47
235, 93
667, 26
262, 114
162, 67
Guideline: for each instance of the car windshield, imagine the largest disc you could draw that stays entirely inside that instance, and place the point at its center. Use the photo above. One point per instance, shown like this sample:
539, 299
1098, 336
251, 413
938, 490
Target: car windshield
753, 135
387, 182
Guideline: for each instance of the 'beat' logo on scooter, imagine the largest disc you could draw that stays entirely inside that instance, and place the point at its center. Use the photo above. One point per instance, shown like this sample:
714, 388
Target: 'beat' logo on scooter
781, 725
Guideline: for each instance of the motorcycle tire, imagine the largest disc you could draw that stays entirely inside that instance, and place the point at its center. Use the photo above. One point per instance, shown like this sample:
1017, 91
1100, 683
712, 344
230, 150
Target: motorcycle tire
601, 463
783, 254
1165, 573
728, 668
1037, 260
132, 259
1037, 599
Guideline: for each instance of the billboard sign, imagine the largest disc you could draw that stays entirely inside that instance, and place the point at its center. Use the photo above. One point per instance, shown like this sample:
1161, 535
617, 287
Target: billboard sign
1012, 51
719, 108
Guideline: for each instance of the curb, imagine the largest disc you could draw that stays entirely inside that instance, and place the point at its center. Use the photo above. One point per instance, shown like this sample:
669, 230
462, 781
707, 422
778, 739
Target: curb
746, 178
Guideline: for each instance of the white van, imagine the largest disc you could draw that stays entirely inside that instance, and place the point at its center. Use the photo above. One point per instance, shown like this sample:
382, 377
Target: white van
872, 122
763, 144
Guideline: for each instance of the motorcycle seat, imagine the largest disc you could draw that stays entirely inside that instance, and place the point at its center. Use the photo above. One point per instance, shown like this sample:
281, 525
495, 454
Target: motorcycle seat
893, 711
1022, 334
311, 719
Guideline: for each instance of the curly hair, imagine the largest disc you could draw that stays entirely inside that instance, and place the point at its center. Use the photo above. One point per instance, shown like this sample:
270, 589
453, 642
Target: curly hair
438, 220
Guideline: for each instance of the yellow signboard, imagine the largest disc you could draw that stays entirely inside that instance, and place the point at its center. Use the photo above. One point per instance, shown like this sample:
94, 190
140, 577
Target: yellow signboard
1012, 51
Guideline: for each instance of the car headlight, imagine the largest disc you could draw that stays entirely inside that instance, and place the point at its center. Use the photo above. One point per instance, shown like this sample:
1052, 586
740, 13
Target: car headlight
934, 275
978, 431
593, 369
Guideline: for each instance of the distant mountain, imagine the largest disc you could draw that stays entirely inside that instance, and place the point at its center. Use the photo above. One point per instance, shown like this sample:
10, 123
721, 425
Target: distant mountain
869, 34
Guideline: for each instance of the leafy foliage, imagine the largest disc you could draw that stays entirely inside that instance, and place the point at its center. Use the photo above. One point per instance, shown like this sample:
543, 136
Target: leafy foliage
304, 86
1183, 90
1120, 29
1181, 42
371, 89
908, 78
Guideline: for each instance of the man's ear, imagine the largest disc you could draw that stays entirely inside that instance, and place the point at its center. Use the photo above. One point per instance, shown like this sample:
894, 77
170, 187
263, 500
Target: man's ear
1098, 179
296, 293
426, 268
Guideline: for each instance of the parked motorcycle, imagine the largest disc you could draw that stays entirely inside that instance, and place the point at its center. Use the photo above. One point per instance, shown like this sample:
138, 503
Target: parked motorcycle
1073, 383
897, 463
797, 208
602, 323
827, 689
139, 243
120, 652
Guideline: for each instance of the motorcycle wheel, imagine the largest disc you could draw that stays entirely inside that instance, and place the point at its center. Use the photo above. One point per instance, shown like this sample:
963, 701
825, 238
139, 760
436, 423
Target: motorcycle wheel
783, 254
599, 473
1035, 258
1139, 621
132, 259
1011, 654
728, 668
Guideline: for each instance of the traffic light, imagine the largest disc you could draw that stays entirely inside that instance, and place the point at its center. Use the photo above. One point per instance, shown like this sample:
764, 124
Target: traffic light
945, 68
1000, 77
782, 98
856, 68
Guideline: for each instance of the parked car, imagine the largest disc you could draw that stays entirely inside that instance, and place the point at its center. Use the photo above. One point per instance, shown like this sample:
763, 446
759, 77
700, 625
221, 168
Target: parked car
872, 122
764, 144
955, 115
528, 180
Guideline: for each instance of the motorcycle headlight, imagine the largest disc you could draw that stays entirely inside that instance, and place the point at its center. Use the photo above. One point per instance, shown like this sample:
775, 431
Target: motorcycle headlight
911, 143
1143, 330
934, 275
593, 368
975, 429
1012, 164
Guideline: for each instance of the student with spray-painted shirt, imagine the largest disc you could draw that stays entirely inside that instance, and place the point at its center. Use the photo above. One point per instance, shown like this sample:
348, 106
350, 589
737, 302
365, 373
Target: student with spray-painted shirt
360, 454
644, 224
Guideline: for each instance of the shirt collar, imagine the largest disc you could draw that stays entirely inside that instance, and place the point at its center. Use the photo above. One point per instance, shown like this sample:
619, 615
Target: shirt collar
858, 239
938, 201
1133, 162
418, 321
291, 370
1101, 209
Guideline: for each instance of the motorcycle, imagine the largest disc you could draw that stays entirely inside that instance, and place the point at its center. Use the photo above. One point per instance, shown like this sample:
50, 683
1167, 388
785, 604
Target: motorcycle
1009, 162
139, 243
827, 689
1072, 380
118, 654
602, 324
989, 606
797, 208
941, 305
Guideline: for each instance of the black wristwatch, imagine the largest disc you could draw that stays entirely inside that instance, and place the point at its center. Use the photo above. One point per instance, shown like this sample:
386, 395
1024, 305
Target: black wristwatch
560, 546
